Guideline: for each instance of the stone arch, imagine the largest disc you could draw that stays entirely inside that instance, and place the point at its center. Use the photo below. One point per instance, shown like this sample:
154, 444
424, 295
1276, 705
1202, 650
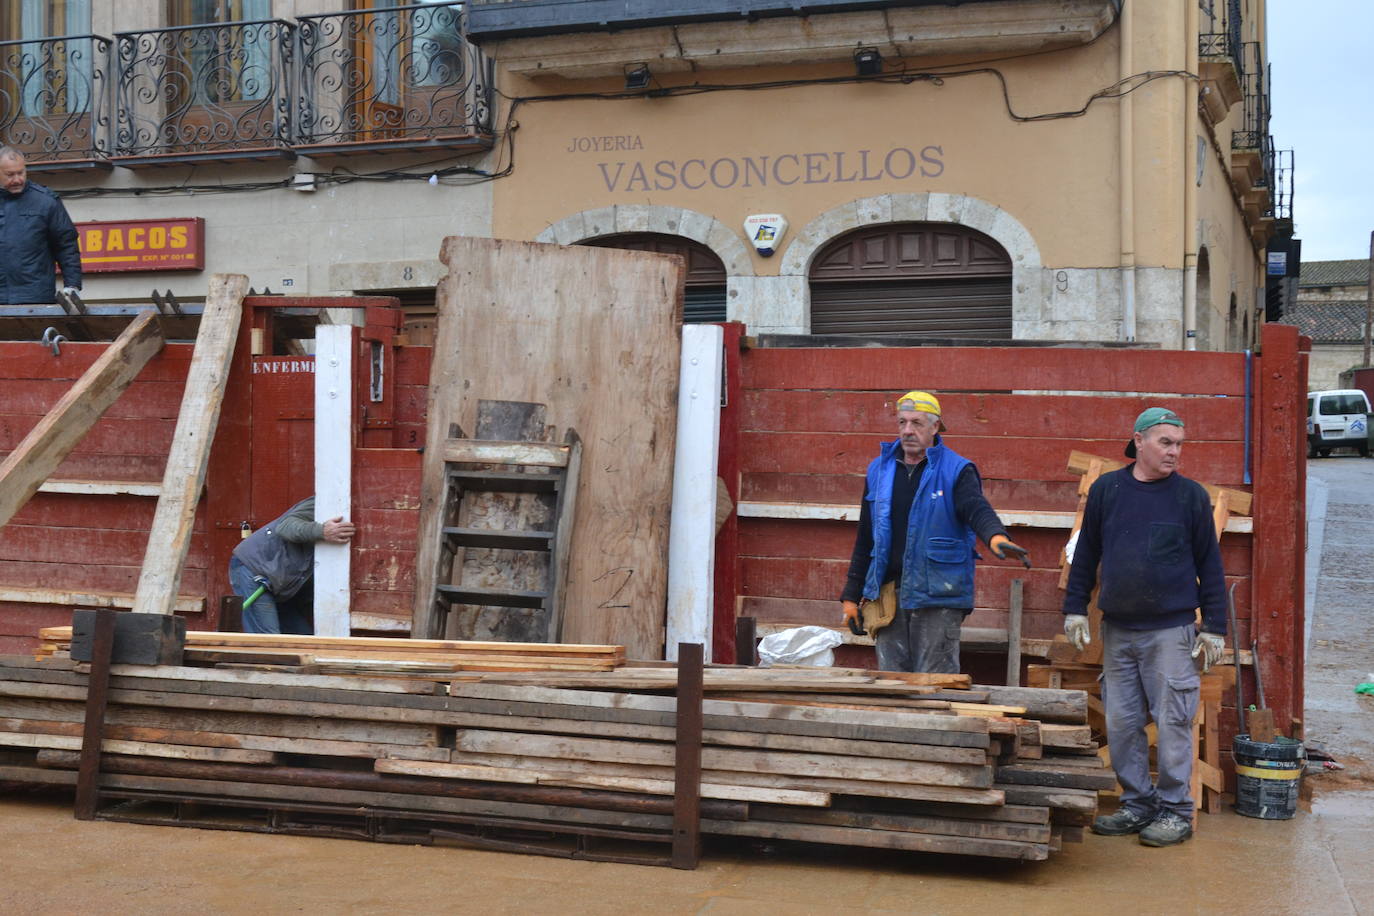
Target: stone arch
977, 214
634, 218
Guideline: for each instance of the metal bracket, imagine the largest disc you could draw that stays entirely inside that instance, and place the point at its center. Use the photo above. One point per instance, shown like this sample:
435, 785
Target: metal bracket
51, 338
71, 302
167, 305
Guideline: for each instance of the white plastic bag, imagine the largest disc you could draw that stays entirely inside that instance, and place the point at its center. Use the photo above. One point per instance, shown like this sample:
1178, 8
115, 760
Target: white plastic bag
799, 646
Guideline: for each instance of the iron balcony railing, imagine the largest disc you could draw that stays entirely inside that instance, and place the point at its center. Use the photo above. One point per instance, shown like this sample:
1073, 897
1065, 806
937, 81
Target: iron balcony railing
54, 97
1253, 132
1280, 171
1219, 28
402, 73
219, 87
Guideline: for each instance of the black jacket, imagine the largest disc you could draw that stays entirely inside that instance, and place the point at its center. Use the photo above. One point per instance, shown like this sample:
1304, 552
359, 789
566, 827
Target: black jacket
35, 231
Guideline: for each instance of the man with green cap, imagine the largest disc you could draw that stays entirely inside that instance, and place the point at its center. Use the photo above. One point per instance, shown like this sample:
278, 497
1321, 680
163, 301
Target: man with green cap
1151, 529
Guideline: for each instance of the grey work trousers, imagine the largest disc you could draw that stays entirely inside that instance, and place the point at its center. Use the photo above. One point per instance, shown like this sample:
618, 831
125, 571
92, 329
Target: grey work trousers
922, 640
1151, 672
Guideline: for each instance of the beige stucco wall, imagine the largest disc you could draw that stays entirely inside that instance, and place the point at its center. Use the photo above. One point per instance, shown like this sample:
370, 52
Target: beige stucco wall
1052, 186
1328, 361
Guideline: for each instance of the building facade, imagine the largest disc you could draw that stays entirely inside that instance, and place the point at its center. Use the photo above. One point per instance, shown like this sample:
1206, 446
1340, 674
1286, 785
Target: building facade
1332, 309
327, 145
1085, 170
1030, 169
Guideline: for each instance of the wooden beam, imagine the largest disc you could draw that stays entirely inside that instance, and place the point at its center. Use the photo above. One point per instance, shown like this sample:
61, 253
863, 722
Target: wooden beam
184, 604
170, 535
483, 451
35, 458
1079, 463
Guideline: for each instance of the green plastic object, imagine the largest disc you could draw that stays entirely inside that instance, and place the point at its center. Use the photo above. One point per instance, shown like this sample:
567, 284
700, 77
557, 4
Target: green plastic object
1366, 688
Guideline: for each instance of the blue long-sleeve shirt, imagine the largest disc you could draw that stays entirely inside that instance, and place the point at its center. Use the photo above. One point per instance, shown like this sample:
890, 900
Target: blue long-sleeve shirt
1158, 548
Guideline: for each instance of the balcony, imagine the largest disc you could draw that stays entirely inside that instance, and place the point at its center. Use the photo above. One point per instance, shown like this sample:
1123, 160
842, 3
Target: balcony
221, 90
1219, 71
382, 78
1251, 145
595, 39
54, 101
404, 77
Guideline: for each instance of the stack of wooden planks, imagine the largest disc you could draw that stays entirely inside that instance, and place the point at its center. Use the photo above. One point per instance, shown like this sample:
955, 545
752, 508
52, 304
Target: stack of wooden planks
919, 762
432, 659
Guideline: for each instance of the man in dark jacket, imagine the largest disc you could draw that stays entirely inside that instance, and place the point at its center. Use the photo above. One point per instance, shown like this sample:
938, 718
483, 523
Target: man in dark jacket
1151, 529
281, 556
35, 232
912, 566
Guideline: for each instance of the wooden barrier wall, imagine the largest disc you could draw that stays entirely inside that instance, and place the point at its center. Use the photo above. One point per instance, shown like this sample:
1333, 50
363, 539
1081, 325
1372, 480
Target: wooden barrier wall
811, 419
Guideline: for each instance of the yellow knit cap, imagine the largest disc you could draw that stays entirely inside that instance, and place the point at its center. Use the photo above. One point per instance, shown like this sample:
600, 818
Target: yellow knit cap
923, 401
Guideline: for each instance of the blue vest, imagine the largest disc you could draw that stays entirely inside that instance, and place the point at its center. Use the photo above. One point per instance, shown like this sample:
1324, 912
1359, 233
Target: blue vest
938, 560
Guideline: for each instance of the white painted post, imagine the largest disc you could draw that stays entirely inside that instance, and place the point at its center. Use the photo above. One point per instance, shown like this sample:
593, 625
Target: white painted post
333, 470
692, 530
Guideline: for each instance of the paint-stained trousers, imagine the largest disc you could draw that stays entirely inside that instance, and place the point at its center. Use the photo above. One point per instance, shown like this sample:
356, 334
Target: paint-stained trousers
921, 640
1150, 674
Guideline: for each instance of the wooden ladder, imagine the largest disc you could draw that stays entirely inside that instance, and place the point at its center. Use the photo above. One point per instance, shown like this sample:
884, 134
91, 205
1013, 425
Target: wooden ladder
496, 585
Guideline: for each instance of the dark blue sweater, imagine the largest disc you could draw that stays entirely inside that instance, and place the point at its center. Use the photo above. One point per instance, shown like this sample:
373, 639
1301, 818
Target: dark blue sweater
1159, 554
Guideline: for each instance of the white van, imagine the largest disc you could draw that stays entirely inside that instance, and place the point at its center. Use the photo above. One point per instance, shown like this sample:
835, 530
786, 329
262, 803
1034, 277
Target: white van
1335, 419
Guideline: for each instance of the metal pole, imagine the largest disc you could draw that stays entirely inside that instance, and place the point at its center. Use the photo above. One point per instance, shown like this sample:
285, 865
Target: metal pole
1369, 300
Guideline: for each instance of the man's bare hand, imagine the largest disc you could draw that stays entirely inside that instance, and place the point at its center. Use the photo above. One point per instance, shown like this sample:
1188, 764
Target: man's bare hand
338, 531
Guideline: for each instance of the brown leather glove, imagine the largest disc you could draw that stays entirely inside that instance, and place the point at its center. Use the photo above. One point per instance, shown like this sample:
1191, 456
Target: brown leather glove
851, 617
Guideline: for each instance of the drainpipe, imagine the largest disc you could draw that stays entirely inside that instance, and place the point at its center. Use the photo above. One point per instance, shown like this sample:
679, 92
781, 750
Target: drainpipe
1190, 96
1125, 108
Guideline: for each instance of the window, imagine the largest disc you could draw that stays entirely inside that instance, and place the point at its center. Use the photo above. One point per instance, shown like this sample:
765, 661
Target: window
226, 65
1334, 405
46, 77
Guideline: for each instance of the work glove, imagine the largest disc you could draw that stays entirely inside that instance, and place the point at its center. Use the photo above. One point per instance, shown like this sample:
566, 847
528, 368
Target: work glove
851, 617
1209, 646
1004, 548
71, 290
1076, 628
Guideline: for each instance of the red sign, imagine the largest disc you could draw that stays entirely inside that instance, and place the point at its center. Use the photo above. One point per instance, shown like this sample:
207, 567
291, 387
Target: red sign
142, 244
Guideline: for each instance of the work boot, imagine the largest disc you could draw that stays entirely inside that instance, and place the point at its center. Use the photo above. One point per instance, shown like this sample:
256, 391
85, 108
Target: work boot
1122, 822
1168, 829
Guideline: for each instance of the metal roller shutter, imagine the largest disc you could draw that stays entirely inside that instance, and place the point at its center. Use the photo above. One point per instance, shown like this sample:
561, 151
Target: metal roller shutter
949, 307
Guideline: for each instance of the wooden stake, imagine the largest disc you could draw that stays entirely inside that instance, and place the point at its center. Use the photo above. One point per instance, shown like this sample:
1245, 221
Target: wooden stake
170, 535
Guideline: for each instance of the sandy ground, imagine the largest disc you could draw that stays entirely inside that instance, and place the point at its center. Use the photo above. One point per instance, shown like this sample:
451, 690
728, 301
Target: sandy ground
1318, 862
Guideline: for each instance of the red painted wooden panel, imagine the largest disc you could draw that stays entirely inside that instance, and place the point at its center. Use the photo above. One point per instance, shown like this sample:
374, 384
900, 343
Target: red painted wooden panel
383, 570
1026, 416
847, 490
412, 366
100, 546
994, 368
81, 576
120, 436
65, 510
32, 360
142, 399
1047, 459
385, 529
396, 604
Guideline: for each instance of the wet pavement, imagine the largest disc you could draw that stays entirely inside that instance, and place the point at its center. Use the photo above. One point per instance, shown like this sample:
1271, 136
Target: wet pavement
1322, 861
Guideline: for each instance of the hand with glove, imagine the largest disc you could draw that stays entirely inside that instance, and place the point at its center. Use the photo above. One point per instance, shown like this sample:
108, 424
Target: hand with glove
851, 617
1210, 646
70, 290
1005, 548
1076, 628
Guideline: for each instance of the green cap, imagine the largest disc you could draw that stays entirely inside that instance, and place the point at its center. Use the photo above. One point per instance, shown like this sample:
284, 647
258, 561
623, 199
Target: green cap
1152, 416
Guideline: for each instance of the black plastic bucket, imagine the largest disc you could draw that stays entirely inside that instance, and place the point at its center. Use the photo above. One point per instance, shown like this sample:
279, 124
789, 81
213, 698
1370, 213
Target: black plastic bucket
1267, 777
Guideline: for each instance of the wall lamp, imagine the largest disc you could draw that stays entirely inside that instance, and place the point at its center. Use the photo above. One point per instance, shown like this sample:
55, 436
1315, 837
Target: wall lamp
637, 77
868, 61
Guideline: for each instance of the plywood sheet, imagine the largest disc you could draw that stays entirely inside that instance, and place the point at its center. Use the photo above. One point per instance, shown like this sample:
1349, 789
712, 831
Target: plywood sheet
593, 334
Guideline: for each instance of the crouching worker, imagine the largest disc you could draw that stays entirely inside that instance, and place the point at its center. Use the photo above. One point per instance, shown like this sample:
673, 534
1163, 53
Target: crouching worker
280, 557
912, 566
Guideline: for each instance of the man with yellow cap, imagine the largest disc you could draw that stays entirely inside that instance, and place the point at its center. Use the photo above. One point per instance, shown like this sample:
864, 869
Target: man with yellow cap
912, 566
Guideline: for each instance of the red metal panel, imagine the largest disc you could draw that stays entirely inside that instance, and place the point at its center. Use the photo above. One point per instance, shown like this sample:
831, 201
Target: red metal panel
1008, 368
726, 585
1278, 554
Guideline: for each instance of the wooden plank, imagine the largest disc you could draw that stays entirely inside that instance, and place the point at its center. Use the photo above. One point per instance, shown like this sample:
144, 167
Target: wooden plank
184, 604
982, 828
1014, 634
1053, 775
692, 528
881, 839
170, 536
100, 487
53, 437
511, 317
1012, 518
1238, 501
714, 758
140, 748
334, 433
497, 451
